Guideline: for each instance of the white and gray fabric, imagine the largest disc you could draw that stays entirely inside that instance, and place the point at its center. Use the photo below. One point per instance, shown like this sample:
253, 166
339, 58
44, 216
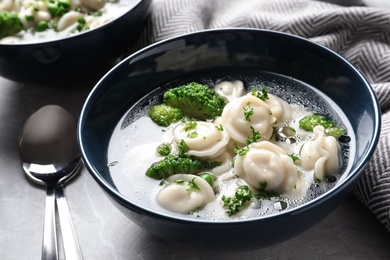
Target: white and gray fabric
359, 34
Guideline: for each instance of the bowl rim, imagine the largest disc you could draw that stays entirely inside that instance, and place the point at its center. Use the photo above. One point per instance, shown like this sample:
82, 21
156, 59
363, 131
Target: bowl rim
69, 37
335, 191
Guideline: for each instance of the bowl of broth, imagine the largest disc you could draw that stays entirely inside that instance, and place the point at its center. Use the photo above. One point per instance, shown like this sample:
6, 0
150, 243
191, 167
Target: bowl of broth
262, 177
52, 42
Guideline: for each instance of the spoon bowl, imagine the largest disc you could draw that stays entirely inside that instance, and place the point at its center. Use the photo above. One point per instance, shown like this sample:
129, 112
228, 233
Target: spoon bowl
49, 175
49, 154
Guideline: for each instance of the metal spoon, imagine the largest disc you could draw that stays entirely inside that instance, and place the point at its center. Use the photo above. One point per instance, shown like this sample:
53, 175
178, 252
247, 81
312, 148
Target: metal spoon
49, 154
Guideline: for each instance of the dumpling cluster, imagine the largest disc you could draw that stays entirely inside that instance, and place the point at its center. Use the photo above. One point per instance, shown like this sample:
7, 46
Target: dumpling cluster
242, 140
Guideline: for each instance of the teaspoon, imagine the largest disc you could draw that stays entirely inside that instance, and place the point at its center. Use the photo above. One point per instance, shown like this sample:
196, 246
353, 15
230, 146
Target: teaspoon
49, 155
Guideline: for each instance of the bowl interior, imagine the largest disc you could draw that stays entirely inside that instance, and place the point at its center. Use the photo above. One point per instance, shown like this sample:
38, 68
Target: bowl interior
225, 50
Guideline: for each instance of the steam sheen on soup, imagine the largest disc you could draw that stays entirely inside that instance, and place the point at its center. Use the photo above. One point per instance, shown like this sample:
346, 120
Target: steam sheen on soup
288, 165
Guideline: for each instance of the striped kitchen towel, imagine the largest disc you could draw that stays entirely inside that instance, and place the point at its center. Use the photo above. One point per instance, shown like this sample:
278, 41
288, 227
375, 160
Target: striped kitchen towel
359, 34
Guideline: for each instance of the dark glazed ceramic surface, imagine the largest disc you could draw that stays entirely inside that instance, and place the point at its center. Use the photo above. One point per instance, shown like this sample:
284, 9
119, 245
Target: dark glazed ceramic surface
209, 50
88, 54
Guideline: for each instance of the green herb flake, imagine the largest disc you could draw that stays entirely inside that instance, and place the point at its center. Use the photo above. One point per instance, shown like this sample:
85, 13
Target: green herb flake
219, 127
180, 181
248, 112
192, 134
255, 136
183, 146
189, 124
233, 204
241, 151
262, 94
193, 186
294, 157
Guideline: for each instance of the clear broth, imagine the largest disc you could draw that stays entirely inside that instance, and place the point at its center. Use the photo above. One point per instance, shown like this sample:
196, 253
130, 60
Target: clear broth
135, 139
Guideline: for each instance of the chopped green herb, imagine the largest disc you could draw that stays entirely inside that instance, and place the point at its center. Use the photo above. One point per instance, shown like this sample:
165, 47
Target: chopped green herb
248, 112
183, 146
192, 134
233, 204
219, 127
189, 124
180, 181
261, 94
294, 157
255, 136
241, 151
192, 185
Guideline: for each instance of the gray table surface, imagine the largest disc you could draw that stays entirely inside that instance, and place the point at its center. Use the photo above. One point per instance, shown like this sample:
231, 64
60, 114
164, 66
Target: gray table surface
350, 232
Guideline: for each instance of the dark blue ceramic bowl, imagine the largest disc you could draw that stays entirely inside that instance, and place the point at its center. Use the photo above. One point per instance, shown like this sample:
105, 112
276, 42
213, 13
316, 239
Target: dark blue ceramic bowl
228, 49
84, 56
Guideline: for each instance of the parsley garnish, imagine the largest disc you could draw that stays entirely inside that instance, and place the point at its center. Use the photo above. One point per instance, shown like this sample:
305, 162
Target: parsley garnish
233, 204
192, 134
189, 124
183, 147
241, 151
219, 127
261, 94
294, 157
180, 181
255, 136
248, 111
192, 185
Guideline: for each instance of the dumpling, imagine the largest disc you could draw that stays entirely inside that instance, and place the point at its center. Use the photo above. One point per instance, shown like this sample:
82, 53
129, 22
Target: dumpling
68, 19
280, 109
226, 164
320, 154
245, 112
230, 90
93, 5
204, 139
267, 165
184, 193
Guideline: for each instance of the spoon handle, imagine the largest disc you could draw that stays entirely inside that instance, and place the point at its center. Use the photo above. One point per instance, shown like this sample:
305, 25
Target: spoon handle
49, 245
71, 244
